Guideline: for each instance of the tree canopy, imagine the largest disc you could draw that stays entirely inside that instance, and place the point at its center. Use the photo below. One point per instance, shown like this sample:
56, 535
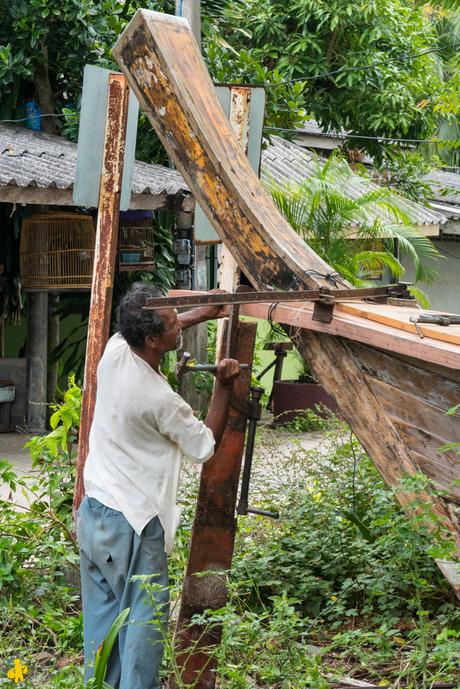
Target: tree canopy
384, 80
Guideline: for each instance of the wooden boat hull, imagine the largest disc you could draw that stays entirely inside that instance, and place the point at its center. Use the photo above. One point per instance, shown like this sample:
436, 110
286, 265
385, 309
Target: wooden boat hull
394, 402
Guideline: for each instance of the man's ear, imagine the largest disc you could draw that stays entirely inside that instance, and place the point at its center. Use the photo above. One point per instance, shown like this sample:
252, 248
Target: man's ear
151, 341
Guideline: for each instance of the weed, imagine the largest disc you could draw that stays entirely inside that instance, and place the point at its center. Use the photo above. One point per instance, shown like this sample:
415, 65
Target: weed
343, 584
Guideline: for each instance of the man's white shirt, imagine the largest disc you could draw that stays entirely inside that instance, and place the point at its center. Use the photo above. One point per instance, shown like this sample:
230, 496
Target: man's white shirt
140, 431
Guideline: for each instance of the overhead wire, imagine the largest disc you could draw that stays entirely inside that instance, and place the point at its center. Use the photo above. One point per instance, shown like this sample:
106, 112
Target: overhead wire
347, 135
357, 68
38, 117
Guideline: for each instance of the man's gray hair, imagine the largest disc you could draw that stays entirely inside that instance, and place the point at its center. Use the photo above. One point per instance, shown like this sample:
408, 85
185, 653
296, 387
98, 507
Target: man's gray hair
134, 322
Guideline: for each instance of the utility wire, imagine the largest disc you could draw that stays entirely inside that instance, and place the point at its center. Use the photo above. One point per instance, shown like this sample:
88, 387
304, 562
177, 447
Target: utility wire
345, 70
347, 135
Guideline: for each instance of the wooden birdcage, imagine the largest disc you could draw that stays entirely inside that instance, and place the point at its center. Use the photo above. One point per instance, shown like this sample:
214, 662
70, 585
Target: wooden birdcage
57, 251
136, 245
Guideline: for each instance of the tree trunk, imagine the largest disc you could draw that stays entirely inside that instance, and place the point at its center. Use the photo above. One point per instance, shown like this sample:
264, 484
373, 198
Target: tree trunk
53, 341
45, 93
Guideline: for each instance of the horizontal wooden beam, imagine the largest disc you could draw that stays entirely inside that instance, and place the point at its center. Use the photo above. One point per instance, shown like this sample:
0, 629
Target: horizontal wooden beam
63, 197
352, 327
361, 330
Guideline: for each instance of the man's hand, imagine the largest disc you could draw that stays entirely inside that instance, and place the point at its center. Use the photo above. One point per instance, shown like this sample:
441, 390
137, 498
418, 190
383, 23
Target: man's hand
218, 310
200, 314
227, 371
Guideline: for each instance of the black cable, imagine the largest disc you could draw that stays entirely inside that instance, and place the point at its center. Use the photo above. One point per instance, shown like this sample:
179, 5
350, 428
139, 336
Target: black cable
348, 135
345, 70
334, 278
275, 328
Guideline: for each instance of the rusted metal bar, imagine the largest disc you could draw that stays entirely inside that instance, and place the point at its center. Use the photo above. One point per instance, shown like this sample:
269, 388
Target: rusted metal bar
213, 535
104, 260
252, 297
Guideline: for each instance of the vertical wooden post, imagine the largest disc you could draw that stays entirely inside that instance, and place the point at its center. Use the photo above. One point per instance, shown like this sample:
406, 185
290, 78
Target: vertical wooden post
37, 359
104, 259
213, 534
229, 271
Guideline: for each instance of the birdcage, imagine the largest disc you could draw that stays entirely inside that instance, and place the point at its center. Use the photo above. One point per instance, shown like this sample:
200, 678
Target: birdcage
57, 251
136, 245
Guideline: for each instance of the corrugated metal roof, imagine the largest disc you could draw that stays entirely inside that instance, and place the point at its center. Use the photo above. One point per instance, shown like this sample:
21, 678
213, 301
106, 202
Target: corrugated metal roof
445, 186
284, 162
312, 128
35, 159
450, 210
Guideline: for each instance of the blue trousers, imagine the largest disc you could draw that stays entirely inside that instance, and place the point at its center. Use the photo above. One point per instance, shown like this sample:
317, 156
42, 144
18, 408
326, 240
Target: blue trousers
111, 553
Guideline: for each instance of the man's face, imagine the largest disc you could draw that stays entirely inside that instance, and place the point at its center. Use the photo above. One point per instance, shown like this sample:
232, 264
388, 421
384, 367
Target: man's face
171, 337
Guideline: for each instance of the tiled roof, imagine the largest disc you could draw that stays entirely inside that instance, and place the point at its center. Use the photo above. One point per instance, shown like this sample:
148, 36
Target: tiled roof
284, 162
34, 159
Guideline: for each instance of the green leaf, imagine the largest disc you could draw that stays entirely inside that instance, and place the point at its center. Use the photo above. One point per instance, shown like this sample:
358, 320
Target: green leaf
103, 655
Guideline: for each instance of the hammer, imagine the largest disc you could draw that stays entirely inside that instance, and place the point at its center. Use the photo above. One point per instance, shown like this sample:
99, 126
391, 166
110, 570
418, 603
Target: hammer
187, 366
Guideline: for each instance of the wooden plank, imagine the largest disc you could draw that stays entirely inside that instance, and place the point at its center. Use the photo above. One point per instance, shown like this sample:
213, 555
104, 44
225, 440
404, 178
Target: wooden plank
434, 387
417, 412
379, 435
167, 73
63, 197
229, 271
362, 330
104, 262
441, 474
425, 443
36, 195
398, 317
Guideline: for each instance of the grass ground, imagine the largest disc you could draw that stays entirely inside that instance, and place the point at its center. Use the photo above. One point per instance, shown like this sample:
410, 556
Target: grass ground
342, 586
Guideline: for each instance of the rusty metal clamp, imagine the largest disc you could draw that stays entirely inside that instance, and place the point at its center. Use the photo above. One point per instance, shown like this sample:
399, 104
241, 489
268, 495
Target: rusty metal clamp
254, 408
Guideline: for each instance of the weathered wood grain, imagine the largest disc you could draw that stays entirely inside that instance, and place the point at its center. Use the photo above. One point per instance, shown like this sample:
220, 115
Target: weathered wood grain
406, 408
168, 75
165, 69
441, 473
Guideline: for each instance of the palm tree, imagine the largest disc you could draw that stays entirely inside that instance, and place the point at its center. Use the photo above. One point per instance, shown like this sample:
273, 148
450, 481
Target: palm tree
358, 233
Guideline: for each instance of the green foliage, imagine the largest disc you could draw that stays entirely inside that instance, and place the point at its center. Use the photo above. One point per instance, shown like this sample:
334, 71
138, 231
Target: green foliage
446, 105
376, 218
308, 421
301, 38
343, 584
39, 599
405, 171
103, 653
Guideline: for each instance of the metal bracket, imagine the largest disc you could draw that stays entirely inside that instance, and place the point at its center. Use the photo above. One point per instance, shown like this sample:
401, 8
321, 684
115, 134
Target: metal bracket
323, 309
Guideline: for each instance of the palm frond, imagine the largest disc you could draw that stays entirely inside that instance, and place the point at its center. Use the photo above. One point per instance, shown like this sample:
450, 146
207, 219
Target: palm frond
420, 296
356, 233
369, 262
418, 247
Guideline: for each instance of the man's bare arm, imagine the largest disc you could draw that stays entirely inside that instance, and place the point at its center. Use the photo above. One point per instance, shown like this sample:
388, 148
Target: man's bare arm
227, 371
203, 313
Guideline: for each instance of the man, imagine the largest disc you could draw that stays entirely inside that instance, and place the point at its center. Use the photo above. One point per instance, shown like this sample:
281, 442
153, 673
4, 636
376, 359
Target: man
128, 517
